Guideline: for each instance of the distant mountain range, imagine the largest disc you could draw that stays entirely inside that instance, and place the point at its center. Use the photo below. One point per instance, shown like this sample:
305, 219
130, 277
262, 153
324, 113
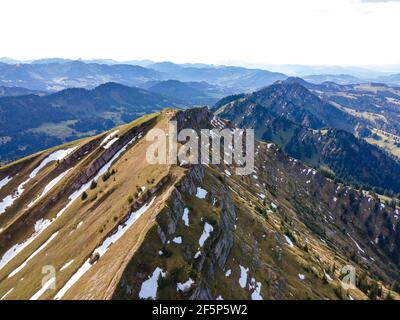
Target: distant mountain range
30, 123
393, 79
58, 76
365, 73
362, 72
337, 78
234, 77
54, 74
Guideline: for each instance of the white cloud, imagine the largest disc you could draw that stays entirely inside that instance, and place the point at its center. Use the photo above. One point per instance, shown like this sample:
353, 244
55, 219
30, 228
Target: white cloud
255, 31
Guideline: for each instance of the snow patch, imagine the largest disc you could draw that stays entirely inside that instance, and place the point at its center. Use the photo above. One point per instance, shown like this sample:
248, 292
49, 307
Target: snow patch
289, 242
50, 186
4, 181
17, 248
102, 249
40, 226
177, 240
208, 228
108, 137
201, 193
185, 217
150, 286
55, 156
110, 143
44, 287
6, 202
15, 271
65, 266
6, 294
256, 295
102, 171
243, 276
183, 287
328, 277
357, 245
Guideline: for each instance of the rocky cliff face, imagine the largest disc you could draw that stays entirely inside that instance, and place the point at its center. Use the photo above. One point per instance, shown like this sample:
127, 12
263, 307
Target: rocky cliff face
221, 245
168, 223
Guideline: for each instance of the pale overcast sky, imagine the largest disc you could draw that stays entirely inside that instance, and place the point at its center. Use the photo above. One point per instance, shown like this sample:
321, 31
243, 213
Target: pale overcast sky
346, 32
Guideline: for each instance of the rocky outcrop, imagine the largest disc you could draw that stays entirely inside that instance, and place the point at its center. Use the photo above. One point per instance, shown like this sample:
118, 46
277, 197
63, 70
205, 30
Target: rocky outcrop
146, 195
77, 155
167, 223
227, 224
196, 118
202, 291
221, 241
220, 246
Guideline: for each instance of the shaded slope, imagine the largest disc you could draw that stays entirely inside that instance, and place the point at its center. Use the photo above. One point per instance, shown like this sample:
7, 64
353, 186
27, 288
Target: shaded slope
314, 131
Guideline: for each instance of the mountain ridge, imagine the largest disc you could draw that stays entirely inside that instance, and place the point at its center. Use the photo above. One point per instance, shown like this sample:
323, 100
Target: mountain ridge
284, 112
